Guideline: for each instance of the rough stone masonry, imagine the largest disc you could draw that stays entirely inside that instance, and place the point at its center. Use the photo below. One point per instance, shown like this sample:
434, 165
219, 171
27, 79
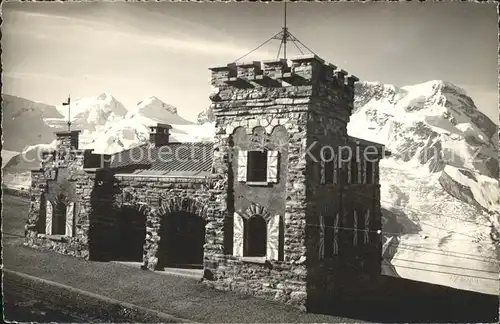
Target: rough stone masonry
279, 222
306, 103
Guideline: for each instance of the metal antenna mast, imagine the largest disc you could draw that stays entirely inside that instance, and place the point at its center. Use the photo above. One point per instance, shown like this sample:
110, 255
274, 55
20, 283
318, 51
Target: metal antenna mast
68, 103
285, 33
284, 36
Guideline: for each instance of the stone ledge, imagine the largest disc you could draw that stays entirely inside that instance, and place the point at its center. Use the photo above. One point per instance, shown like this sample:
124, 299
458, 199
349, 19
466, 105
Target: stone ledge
258, 260
258, 183
58, 238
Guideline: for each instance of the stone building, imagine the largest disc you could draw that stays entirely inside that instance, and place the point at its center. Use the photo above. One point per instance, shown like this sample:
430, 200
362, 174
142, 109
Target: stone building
282, 205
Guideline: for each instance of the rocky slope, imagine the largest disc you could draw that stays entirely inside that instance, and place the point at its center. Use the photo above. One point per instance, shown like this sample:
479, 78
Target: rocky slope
433, 124
439, 188
23, 123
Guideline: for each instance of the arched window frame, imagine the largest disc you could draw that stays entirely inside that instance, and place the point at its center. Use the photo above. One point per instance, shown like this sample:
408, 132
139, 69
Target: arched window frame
255, 246
273, 231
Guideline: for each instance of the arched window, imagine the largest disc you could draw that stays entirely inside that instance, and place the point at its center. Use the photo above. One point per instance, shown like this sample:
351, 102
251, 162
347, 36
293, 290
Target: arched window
354, 170
329, 233
369, 172
59, 217
255, 237
42, 215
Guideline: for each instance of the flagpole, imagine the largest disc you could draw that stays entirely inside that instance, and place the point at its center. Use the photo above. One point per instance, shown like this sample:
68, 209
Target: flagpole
69, 113
68, 103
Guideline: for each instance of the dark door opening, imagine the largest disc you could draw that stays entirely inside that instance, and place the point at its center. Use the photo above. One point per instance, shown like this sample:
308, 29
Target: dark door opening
131, 227
59, 217
182, 239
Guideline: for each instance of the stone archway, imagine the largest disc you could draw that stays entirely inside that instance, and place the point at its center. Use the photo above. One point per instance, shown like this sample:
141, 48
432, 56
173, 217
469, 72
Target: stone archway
181, 233
130, 232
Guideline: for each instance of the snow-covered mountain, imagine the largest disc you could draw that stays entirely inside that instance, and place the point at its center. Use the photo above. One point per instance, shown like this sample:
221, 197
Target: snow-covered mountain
206, 116
23, 123
439, 189
106, 125
154, 108
133, 128
433, 125
92, 113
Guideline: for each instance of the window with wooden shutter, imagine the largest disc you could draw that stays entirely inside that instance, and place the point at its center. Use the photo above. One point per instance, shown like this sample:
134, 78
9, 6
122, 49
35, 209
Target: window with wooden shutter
329, 232
242, 165
272, 166
48, 218
273, 236
238, 235
329, 170
348, 178
70, 215
257, 166
327, 161
359, 165
365, 165
354, 171
369, 173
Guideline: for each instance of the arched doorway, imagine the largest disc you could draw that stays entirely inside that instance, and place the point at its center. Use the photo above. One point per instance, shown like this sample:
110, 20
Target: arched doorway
131, 234
59, 217
255, 242
182, 239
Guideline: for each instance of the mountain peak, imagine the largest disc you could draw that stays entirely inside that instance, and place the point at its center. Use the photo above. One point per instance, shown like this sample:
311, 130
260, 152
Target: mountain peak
105, 96
436, 85
434, 116
154, 103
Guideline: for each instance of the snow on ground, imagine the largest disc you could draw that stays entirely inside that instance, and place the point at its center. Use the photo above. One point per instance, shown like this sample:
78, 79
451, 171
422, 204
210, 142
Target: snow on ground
194, 133
485, 190
19, 181
443, 147
435, 237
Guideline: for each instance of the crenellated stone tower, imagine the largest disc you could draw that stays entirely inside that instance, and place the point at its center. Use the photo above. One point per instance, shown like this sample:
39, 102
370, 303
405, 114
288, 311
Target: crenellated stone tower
272, 121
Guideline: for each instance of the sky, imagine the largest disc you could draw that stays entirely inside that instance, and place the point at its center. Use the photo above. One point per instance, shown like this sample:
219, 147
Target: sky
137, 50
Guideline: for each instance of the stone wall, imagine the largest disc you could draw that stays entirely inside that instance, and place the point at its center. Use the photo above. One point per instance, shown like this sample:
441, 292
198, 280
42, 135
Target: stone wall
157, 197
313, 102
61, 175
68, 140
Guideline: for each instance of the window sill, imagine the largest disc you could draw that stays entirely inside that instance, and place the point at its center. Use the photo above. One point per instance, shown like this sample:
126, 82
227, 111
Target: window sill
259, 260
258, 183
59, 238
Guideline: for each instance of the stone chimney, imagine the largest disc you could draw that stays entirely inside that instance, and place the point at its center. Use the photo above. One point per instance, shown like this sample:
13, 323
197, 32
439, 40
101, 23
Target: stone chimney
67, 140
159, 134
